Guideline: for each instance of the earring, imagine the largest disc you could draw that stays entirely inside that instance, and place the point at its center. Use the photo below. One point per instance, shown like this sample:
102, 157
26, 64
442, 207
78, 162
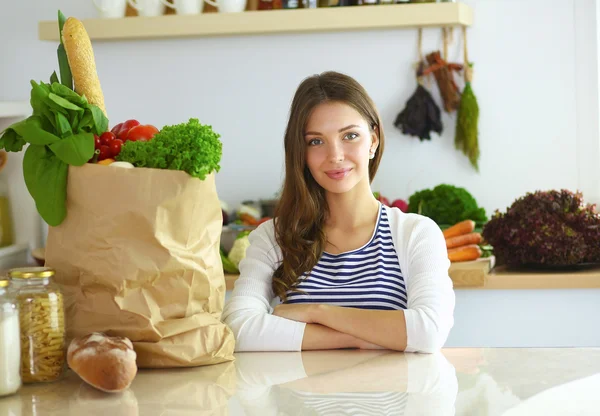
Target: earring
371, 156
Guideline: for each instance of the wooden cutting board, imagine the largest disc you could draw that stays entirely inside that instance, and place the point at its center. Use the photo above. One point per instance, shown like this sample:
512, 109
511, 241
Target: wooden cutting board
471, 273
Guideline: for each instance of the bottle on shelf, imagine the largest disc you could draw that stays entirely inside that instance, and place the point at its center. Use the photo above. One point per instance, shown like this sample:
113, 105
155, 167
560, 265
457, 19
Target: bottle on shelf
333, 3
299, 4
270, 4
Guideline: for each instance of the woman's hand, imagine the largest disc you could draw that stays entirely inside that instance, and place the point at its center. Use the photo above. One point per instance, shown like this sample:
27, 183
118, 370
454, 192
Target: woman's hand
296, 312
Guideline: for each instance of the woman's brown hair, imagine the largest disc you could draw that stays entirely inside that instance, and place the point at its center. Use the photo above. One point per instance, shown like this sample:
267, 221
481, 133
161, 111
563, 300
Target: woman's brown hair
302, 208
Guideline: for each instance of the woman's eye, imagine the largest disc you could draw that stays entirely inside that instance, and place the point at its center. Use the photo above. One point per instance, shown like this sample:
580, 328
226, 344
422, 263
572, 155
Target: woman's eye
314, 142
351, 136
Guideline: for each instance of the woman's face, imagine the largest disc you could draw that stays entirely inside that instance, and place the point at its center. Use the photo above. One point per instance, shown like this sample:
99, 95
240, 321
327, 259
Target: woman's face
338, 144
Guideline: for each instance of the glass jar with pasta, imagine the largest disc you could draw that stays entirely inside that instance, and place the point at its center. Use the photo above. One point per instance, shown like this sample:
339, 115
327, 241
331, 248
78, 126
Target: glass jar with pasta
42, 323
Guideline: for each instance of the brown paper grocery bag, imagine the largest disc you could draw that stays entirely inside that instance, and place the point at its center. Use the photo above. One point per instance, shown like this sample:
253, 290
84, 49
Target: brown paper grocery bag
138, 256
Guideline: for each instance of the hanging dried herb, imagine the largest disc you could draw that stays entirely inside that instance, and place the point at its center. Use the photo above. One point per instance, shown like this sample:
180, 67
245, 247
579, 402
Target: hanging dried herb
466, 135
420, 116
442, 71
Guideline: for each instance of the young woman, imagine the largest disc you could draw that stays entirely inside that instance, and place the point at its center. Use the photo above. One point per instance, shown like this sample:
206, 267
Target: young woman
336, 268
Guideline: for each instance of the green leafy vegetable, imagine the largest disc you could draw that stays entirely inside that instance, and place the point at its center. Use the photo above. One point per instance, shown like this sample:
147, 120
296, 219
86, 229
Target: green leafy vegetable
228, 265
238, 250
100, 121
66, 77
192, 147
54, 78
60, 133
66, 104
75, 150
63, 126
32, 132
46, 180
68, 94
243, 234
87, 118
446, 204
11, 141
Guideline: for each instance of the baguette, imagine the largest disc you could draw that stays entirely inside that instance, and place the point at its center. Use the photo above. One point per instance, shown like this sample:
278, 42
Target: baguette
106, 363
80, 55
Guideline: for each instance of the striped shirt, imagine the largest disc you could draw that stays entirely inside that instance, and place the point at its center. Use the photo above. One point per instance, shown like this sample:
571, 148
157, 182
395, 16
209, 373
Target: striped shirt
368, 278
342, 404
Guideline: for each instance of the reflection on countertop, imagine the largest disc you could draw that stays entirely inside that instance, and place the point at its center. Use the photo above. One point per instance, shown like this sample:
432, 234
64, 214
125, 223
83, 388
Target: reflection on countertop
465, 381
346, 383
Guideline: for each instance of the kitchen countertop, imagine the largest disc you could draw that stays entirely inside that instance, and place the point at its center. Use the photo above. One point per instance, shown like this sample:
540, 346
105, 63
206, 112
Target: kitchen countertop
583, 278
461, 381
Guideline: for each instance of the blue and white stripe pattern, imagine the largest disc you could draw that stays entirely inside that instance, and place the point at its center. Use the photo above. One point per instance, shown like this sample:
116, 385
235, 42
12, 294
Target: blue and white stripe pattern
367, 278
342, 404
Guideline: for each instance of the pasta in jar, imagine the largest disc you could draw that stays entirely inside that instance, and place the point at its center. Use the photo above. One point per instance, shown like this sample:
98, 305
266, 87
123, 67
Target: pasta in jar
42, 323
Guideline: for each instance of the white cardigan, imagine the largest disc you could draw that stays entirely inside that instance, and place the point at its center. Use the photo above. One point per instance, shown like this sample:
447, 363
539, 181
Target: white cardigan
424, 262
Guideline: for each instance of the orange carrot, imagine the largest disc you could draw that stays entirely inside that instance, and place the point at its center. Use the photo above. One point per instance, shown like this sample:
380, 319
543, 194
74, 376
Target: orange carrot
248, 219
463, 240
464, 253
463, 227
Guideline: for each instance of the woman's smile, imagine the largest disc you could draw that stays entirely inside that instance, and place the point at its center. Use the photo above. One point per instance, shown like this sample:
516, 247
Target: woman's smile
338, 174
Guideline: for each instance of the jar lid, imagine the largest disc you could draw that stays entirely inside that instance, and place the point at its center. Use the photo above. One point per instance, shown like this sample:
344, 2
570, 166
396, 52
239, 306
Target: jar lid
30, 272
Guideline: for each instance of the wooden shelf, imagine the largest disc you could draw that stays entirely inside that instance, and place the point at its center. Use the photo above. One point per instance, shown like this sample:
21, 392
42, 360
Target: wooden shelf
14, 109
272, 21
500, 278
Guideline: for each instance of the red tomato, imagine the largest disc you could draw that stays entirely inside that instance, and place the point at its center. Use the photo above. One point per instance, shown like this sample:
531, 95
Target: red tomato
104, 152
115, 147
116, 129
125, 128
96, 141
106, 138
142, 133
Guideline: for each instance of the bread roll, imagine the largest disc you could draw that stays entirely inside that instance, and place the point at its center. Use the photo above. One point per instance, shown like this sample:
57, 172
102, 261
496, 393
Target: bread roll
106, 363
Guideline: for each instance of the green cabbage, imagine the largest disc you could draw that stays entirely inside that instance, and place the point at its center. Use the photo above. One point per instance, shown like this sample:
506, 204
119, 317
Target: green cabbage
192, 147
446, 205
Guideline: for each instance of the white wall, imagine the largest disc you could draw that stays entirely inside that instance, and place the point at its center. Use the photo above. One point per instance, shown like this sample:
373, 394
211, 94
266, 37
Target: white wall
537, 90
